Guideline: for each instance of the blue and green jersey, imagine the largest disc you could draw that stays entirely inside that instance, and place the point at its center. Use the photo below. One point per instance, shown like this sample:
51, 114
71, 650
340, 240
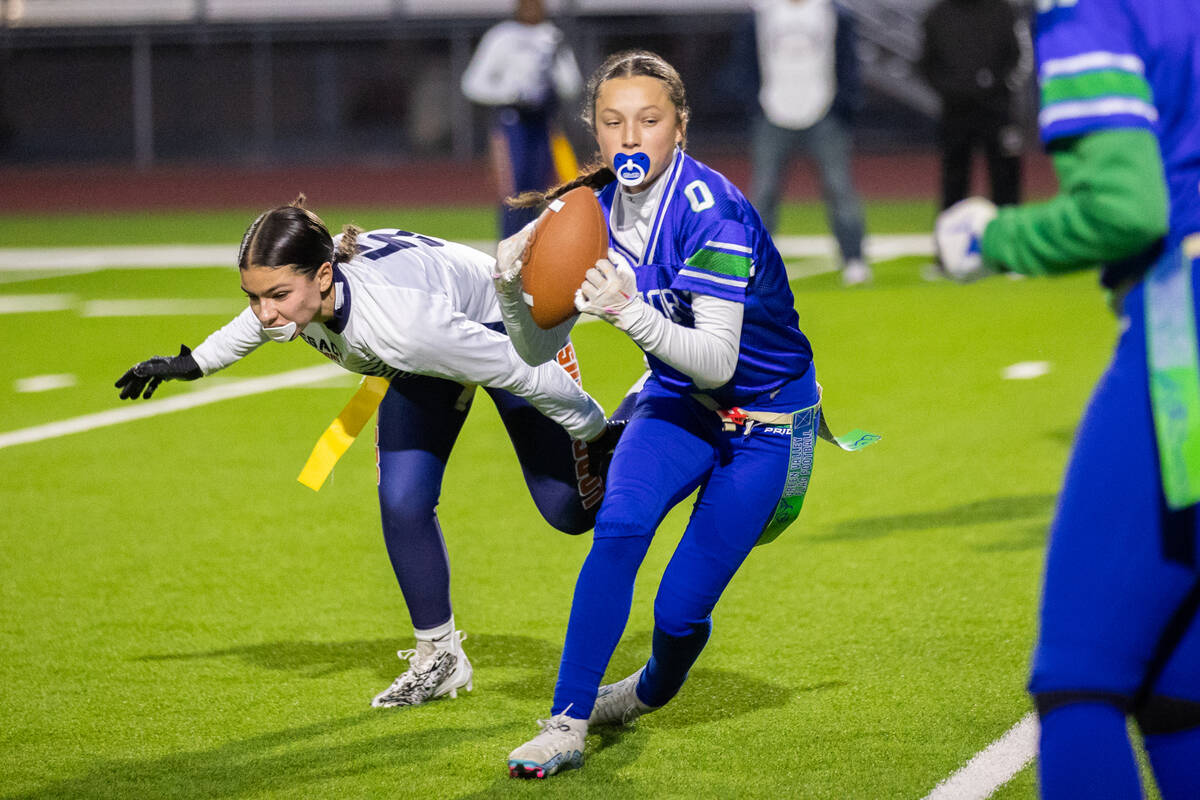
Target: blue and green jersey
707, 239
1127, 64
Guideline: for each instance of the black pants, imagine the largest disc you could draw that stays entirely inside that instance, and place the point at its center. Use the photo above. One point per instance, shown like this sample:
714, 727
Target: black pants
962, 130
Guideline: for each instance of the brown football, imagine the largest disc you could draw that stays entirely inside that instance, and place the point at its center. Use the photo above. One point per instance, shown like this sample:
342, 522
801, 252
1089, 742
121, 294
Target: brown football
571, 235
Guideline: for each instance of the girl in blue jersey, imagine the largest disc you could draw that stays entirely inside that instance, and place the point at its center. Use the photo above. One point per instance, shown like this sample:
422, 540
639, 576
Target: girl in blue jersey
729, 407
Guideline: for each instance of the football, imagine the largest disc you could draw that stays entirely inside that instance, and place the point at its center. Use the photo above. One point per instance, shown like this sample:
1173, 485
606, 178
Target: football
570, 236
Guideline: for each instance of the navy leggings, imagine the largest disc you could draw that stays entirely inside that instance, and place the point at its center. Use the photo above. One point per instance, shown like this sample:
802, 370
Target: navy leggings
419, 421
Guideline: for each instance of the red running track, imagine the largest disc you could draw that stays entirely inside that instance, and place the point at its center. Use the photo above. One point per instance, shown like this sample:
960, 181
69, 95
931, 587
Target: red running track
904, 176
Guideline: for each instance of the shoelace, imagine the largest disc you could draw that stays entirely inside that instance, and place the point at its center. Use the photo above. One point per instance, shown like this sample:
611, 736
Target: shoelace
411, 655
556, 725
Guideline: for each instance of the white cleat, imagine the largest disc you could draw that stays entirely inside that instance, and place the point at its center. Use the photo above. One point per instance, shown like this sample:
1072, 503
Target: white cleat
856, 272
433, 672
559, 746
618, 703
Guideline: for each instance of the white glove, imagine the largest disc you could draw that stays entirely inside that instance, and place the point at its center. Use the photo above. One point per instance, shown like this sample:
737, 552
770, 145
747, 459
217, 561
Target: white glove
510, 254
609, 292
958, 235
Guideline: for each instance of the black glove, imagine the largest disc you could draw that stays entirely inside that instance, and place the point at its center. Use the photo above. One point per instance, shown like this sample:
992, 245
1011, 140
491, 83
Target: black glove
600, 450
150, 373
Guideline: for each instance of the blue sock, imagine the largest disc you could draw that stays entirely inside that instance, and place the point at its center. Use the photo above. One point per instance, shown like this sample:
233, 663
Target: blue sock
670, 659
1085, 752
1175, 758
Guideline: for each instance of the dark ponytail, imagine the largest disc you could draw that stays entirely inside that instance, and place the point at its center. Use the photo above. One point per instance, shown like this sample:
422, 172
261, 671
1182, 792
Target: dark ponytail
347, 247
595, 176
289, 236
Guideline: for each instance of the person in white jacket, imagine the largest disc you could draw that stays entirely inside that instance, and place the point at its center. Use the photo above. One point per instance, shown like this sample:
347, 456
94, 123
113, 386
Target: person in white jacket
421, 312
522, 69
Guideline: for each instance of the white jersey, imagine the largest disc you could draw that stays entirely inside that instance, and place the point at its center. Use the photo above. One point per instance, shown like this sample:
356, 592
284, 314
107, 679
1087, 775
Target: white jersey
521, 65
416, 304
796, 55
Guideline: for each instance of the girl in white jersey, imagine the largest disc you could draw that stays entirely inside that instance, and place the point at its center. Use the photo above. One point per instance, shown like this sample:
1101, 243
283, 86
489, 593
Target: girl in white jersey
422, 312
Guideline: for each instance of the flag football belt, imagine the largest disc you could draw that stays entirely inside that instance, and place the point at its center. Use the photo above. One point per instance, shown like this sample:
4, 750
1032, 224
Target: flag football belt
804, 426
1174, 371
341, 433
736, 418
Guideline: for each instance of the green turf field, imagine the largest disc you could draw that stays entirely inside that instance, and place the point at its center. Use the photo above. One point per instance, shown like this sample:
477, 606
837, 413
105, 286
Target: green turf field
181, 618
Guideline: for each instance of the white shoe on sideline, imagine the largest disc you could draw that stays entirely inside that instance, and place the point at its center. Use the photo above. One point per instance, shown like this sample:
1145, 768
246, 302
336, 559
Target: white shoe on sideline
558, 747
856, 272
435, 669
618, 703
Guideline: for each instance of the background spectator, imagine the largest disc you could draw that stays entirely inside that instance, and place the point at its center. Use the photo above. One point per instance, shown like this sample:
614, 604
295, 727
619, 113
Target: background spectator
972, 58
808, 93
524, 68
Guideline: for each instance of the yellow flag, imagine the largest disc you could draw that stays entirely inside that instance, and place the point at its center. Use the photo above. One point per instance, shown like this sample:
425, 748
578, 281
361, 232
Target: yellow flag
341, 433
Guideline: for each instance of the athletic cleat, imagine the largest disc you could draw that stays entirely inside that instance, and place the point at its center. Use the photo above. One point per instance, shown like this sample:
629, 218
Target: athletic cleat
618, 703
433, 672
559, 746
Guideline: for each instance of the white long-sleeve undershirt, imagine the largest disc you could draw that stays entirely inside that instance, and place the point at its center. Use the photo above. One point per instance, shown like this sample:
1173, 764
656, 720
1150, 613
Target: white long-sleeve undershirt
707, 352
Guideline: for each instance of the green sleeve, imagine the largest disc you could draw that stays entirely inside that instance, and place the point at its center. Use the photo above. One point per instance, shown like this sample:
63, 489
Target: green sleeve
1111, 204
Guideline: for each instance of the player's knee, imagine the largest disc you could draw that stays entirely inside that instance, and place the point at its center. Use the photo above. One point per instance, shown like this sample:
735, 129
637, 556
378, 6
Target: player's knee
617, 556
617, 520
400, 505
563, 508
625, 507
680, 627
1158, 715
569, 518
1050, 701
677, 616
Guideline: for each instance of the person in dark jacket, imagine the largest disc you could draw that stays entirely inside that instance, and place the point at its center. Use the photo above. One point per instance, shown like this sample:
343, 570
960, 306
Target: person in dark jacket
972, 58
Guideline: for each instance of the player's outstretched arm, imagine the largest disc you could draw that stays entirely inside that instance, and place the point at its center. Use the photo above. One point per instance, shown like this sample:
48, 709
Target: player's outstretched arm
144, 377
1112, 204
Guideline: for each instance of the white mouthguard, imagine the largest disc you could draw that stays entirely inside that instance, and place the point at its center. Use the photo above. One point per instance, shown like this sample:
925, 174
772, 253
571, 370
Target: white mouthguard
281, 333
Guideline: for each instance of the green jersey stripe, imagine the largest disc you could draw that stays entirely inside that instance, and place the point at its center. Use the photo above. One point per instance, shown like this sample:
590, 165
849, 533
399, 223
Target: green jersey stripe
722, 263
1091, 85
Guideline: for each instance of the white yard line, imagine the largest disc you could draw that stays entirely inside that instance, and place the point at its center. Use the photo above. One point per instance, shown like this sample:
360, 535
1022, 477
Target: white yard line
993, 766
176, 256
162, 307
142, 307
152, 408
26, 303
45, 383
54, 259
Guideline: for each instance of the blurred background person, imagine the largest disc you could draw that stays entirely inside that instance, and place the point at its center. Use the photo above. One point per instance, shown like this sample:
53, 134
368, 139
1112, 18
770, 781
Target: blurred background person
972, 58
808, 94
524, 68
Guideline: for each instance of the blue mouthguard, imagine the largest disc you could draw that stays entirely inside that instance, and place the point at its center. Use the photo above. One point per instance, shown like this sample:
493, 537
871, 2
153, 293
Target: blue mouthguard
631, 170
